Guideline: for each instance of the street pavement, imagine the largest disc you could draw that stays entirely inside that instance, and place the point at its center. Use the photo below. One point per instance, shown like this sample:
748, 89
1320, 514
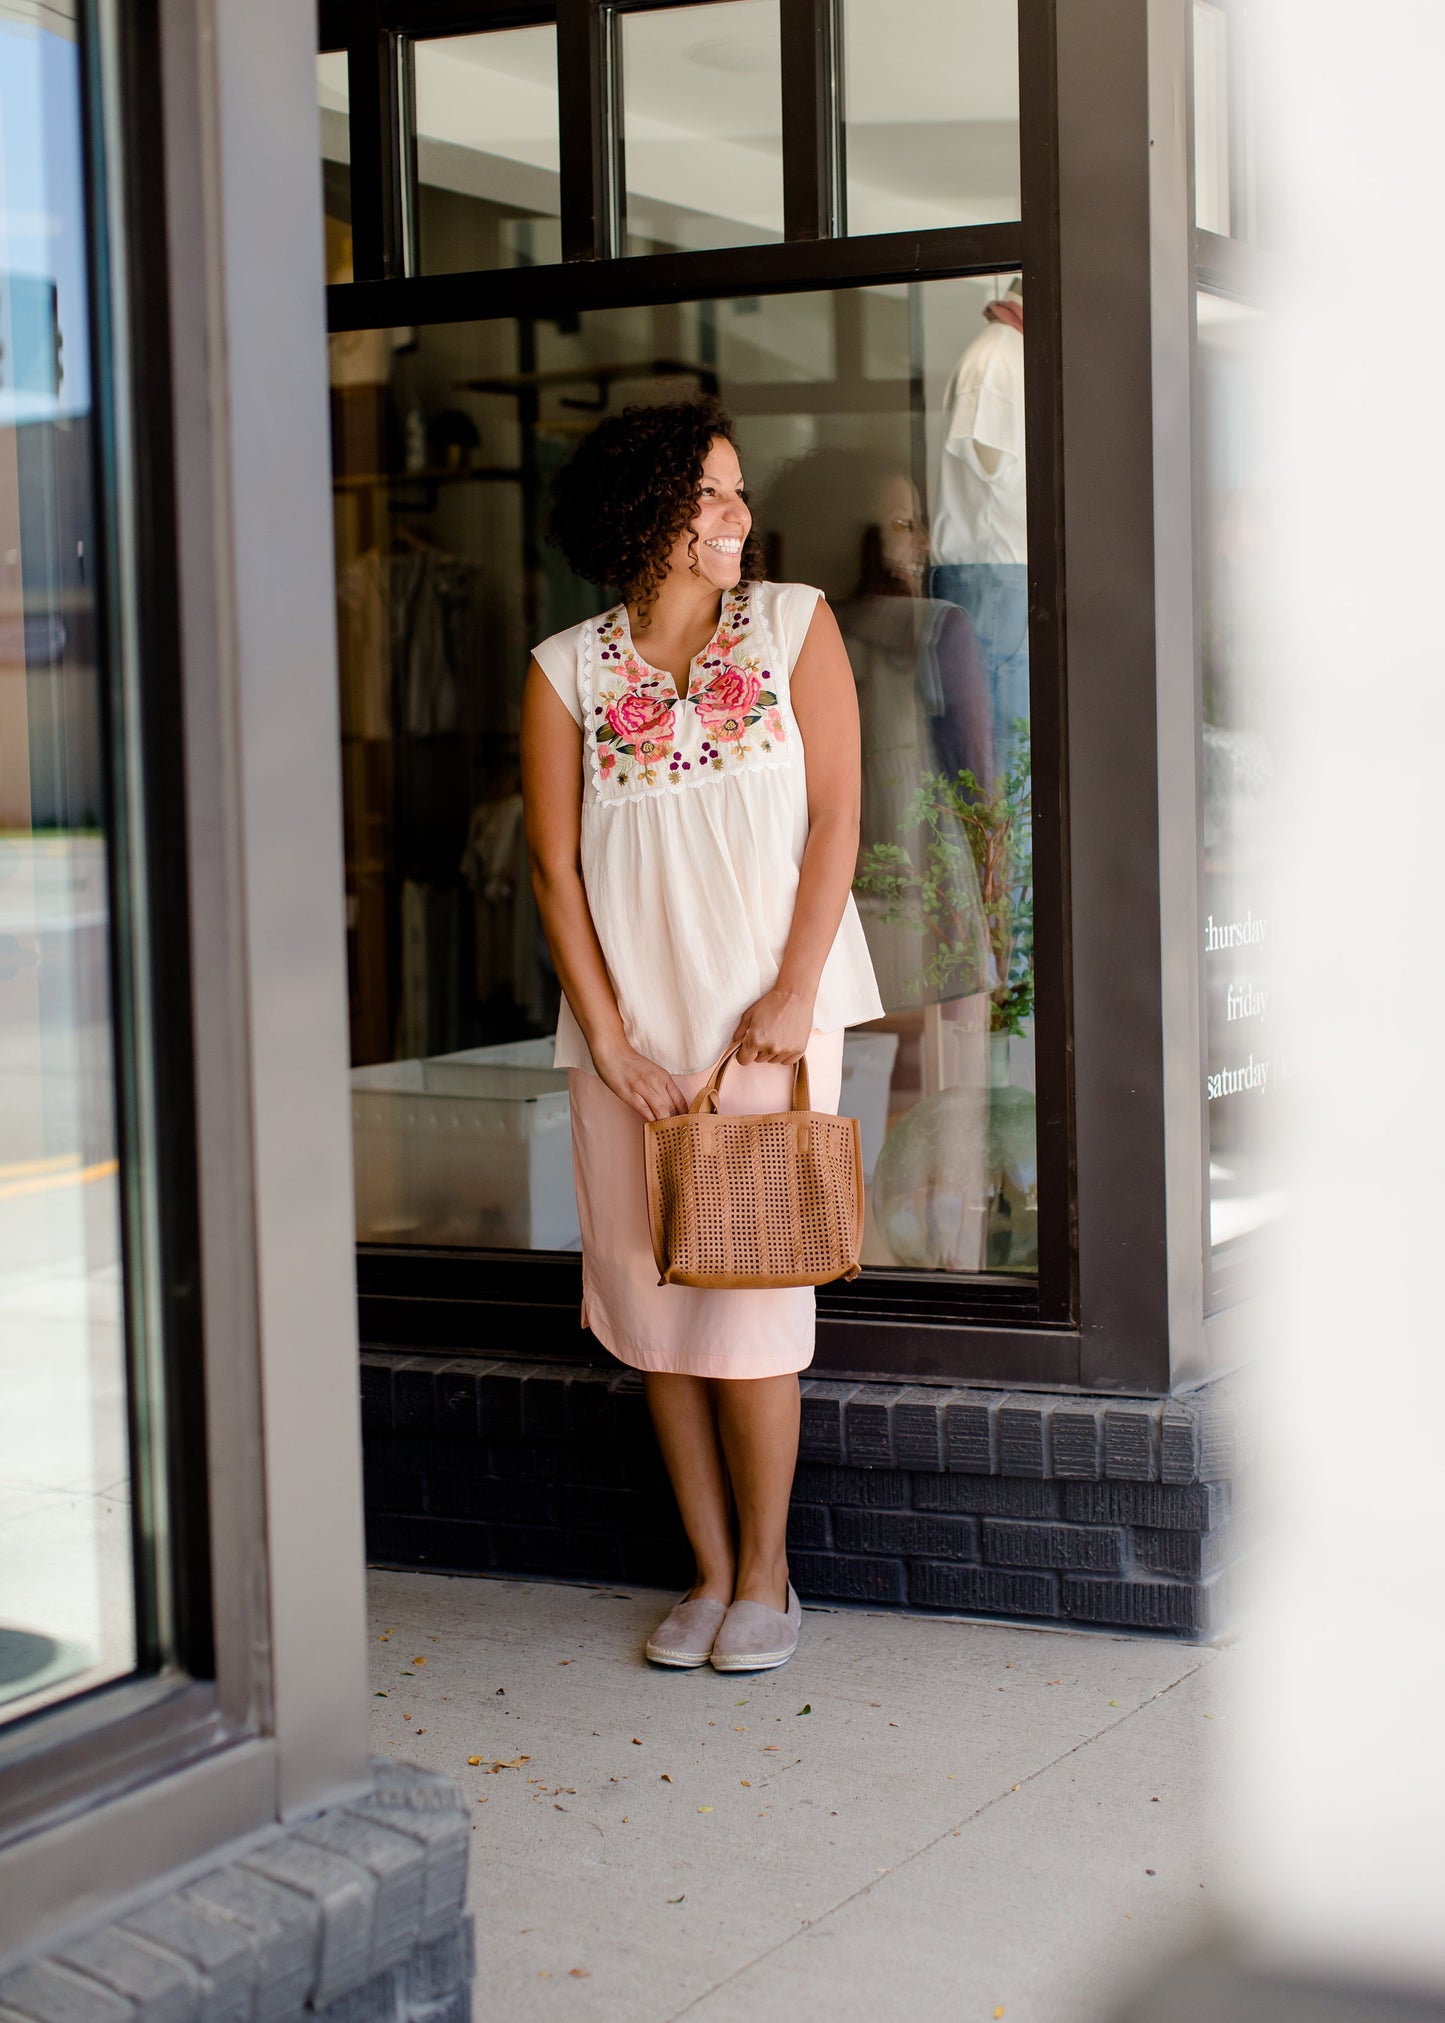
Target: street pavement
918, 1817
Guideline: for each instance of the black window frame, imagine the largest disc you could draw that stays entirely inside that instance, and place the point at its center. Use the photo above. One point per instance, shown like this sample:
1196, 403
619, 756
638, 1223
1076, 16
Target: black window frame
918, 1326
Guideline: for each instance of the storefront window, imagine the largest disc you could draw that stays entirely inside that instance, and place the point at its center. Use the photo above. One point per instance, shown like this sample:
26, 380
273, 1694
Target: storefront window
67, 1609
889, 473
1241, 931
487, 150
702, 126
932, 107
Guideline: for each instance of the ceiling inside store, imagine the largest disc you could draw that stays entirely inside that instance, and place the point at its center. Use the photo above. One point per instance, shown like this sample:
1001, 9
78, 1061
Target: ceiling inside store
932, 96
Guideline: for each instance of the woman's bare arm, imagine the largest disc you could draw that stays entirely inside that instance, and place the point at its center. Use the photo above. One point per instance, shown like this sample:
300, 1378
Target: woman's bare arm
825, 703
551, 748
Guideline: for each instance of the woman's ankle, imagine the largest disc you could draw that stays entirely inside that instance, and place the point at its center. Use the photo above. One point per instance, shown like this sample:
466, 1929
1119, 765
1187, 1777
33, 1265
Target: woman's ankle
764, 1581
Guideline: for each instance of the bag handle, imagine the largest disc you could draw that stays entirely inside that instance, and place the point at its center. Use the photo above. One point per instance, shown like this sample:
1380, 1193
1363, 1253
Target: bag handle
705, 1102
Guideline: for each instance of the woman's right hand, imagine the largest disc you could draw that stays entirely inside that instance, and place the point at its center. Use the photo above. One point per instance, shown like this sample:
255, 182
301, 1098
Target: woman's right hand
641, 1083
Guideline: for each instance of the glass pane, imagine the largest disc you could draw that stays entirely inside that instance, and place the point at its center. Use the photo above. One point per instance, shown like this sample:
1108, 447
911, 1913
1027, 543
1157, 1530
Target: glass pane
932, 106
333, 96
1227, 183
1239, 744
1211, 118
702, 124
487, 150
67, 1613
853, 450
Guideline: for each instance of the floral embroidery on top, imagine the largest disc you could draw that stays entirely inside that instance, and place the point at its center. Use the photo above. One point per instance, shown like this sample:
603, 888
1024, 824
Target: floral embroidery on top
645, 736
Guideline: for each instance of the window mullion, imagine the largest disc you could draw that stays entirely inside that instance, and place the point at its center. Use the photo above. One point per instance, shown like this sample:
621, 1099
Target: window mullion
812, 70
589, 97
378, 148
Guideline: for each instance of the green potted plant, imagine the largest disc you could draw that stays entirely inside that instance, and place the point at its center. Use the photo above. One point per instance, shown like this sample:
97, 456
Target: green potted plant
944, 895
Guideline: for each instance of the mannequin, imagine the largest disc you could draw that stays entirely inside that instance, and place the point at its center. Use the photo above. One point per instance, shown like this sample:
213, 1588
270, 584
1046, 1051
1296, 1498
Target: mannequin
980, 531
850, 520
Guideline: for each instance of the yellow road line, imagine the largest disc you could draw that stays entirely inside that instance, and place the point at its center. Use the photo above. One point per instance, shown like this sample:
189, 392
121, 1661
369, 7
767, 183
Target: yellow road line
26, 1166
107, 1170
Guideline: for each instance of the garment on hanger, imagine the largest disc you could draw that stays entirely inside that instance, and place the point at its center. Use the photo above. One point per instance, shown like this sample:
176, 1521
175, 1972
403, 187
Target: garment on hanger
410, 625
507, 929
429, 1008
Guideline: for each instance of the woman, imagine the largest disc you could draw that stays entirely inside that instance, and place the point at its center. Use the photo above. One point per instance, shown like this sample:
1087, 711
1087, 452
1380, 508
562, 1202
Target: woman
693, 879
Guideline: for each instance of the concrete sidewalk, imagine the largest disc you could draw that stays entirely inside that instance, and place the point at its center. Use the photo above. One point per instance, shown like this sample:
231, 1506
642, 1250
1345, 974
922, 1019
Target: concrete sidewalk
917, 1817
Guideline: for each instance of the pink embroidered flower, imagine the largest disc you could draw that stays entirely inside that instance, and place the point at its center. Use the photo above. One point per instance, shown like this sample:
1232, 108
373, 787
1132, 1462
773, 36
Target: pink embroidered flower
605, 762
642, 720
727, 699
774, 722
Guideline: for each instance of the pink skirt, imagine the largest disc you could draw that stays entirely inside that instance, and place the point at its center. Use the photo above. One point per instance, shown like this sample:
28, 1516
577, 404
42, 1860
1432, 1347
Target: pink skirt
694, 1331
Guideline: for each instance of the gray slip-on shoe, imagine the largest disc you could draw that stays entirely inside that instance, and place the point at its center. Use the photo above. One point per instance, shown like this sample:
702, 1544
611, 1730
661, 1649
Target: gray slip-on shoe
686, 1636
754, 1638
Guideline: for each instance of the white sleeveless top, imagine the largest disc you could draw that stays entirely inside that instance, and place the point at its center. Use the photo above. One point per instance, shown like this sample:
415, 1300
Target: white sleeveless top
694, 822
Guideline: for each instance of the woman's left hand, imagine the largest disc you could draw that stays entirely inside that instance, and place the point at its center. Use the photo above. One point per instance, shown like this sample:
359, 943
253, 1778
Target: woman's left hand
776, 1028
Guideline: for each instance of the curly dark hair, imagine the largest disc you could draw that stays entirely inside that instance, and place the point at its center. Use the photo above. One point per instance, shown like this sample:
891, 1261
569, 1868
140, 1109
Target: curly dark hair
632, 487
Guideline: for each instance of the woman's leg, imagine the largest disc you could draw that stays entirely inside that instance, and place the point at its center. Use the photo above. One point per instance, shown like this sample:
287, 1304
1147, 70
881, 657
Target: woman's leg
758, 1419
682, 1414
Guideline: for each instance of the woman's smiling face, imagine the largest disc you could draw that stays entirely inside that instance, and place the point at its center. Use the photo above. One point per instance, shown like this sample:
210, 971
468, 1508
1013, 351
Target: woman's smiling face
722, 524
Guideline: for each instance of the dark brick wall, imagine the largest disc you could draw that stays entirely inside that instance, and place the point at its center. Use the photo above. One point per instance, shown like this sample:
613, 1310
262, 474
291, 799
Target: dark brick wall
1104, 1512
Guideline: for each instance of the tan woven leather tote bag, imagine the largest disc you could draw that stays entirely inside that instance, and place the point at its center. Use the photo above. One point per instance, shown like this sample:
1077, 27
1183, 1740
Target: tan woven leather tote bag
754, 1201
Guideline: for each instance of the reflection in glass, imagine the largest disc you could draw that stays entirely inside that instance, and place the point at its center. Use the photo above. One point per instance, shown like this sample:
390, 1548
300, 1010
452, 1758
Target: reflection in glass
66, 1594
1211, 118
487, 150
333, 96
932, 109
702, 126
1239, 767
447, 579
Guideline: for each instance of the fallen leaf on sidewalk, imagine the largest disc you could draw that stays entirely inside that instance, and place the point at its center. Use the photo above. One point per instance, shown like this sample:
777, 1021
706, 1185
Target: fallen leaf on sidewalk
638, 1740
746, 1783
666, 1777
580, 1973
677, 1900
418, 1661
474, 1759
564, 1661
381, 1696
704, 1808
999, 2011
806, 1708
1113, 1703
510, 1763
